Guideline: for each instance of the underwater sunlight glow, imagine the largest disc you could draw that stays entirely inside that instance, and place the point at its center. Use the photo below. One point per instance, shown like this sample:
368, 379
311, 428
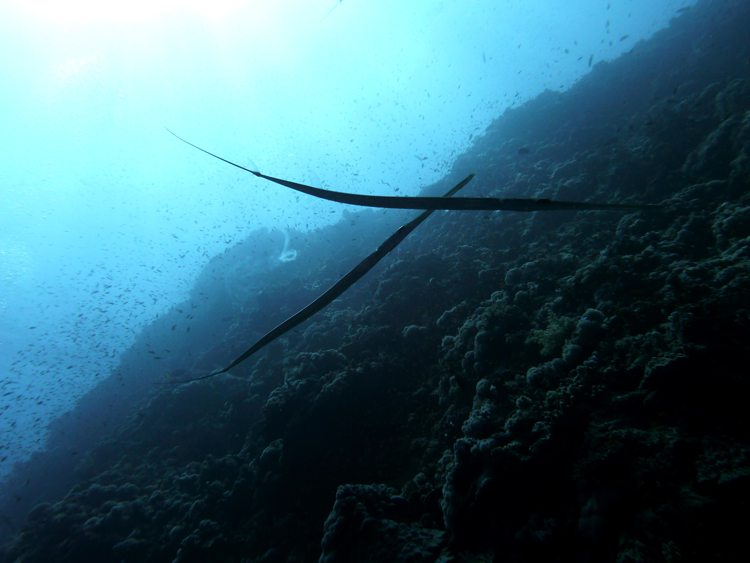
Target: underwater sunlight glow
108, 10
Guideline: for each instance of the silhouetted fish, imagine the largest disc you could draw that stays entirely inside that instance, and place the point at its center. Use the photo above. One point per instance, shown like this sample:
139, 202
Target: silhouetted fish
435, 203
332, 9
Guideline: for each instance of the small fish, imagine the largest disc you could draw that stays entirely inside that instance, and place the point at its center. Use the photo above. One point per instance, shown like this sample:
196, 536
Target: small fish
332, 9
624, 37
591, 60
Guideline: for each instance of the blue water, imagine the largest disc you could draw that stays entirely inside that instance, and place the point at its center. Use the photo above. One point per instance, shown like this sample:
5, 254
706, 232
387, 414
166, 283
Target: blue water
106, 220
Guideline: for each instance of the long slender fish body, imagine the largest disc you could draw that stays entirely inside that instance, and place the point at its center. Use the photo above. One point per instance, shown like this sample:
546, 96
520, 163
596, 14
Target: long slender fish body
332, 9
